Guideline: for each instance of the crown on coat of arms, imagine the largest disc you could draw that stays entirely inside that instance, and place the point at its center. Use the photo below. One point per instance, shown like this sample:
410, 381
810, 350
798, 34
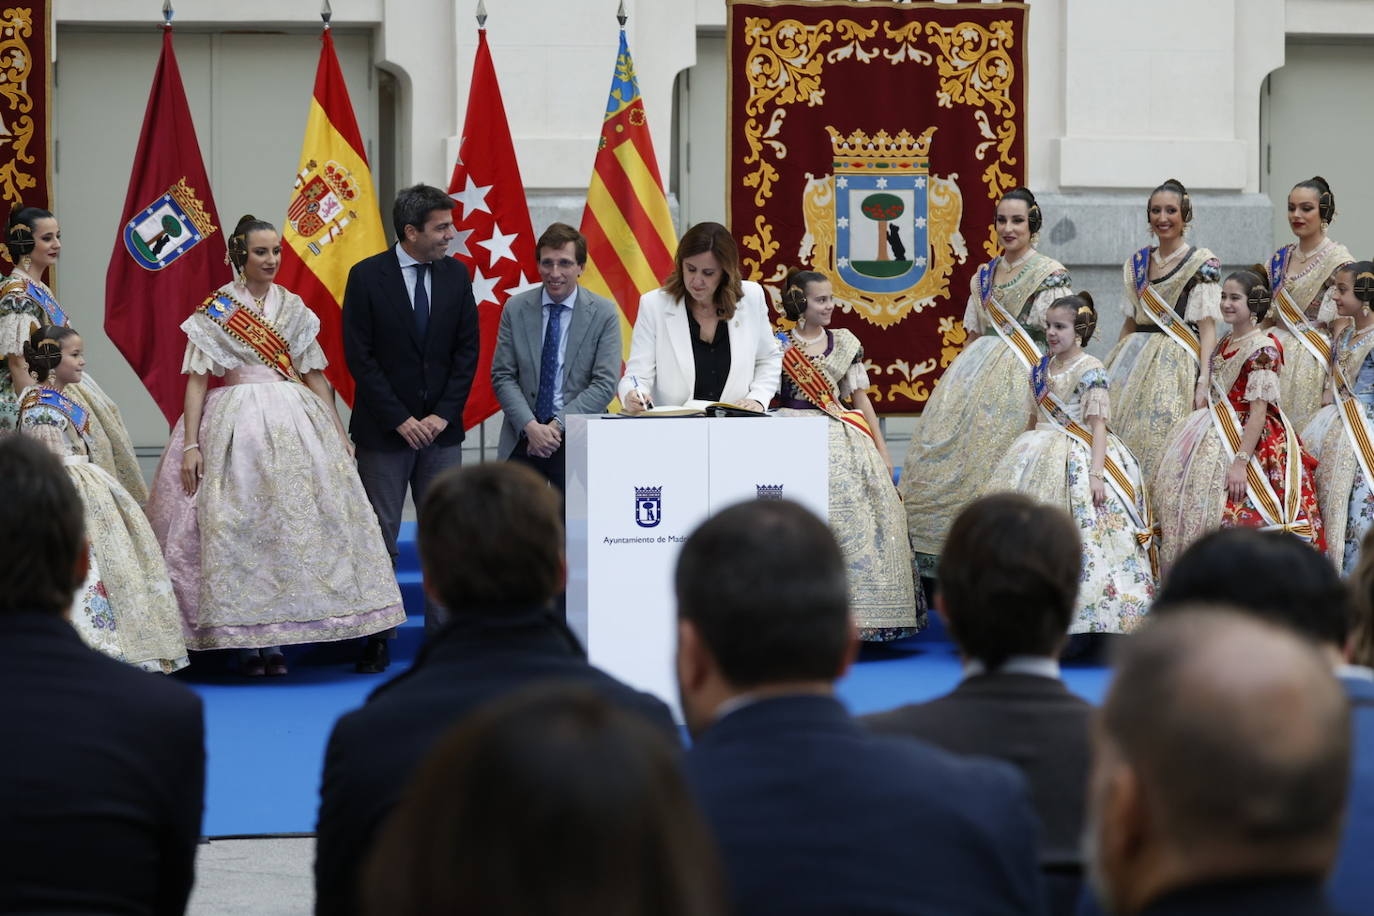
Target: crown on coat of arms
882, 150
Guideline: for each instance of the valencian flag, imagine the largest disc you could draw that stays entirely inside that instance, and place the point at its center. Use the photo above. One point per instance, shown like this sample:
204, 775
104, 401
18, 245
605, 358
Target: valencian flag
170, 251
630, 238
332, 221
492, 220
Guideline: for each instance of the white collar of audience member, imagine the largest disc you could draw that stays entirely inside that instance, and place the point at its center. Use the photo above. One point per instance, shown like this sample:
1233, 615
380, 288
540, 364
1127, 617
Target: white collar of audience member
1035, 665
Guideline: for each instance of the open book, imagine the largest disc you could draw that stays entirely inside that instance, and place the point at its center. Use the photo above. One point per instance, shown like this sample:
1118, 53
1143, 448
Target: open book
701, 409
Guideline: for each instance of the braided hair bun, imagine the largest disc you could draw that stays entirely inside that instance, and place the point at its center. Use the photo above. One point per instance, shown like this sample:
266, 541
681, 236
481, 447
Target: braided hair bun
43, 350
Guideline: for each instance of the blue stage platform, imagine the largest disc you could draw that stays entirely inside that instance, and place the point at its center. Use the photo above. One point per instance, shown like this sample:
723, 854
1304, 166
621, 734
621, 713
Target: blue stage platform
265, 737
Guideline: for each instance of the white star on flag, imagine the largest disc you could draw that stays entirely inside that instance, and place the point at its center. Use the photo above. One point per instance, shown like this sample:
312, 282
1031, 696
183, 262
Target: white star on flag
473, 198
841, 182
499, 244
920, 182
844, 262
458, 245
520, 286
920, 222
921, 261
843, 222
882, 182
484, 288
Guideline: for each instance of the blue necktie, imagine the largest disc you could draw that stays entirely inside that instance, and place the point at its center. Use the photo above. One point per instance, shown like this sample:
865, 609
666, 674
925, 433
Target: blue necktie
548, 365
421, 301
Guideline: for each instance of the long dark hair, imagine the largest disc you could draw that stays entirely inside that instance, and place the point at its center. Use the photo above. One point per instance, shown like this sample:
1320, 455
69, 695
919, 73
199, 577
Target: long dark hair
715, 238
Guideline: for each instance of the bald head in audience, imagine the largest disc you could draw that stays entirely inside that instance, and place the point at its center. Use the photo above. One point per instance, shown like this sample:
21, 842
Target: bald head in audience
1221, 753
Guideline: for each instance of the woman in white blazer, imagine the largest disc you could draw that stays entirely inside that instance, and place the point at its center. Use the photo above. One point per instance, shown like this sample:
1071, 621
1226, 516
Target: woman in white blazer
706, 335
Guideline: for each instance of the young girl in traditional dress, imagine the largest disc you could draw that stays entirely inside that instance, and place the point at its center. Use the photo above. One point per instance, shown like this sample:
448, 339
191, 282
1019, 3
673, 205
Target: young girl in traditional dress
1340, 434
34, 241
822, 368
978, 407
268, 534
1160, 366
125, 608
1238, 461
1301, 275
1067, 458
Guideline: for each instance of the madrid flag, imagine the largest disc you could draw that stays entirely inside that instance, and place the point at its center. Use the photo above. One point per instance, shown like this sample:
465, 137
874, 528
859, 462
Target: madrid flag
629, 230
169, 253
492, 220
332, 221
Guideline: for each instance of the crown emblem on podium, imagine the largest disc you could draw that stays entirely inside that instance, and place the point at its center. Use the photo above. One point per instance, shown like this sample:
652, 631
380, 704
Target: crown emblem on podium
882, 150
769, 491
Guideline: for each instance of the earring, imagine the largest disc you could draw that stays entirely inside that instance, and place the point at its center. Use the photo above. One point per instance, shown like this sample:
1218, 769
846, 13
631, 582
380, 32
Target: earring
1325, 223
1185, 229
801, 323
243, 281
1035, 240
25, 263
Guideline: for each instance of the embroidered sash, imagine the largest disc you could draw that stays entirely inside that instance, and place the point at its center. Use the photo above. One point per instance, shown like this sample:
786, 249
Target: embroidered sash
1354, 421
39, 396
1008, 328
247, 326
1118, 481
56, 316
812, 384
1163, 314
1278, 515
1290, 314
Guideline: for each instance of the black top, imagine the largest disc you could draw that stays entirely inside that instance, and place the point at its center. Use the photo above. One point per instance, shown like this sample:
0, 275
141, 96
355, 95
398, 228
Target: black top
1289, 896
374, 750
712, 359
101, 779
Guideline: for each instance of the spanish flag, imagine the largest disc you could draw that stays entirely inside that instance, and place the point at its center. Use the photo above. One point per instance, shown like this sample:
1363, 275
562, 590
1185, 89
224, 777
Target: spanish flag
630, 237
332, 221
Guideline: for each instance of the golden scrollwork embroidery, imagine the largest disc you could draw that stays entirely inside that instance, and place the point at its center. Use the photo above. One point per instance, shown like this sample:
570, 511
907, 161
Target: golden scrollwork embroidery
912, 385
16, 66
953, 336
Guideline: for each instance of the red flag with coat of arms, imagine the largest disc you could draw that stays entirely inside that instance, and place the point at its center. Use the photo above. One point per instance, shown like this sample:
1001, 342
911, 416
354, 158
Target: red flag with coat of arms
492, 220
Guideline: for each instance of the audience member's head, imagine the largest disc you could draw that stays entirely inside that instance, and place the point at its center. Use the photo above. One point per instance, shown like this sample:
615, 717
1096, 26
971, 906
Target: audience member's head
548, 801
44, 542
491, 538
1269, 573
763, 603
1222, 752
1009, 578
1360, 647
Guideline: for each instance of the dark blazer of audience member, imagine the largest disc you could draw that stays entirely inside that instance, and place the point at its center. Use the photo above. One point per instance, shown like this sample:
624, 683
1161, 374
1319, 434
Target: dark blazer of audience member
1219, 772
586, 355
491, 548
102, 776
1008, 579
1281, 578
813, 814
552, 800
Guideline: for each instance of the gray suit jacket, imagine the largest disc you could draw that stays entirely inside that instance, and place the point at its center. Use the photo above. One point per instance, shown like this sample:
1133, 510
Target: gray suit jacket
591, 362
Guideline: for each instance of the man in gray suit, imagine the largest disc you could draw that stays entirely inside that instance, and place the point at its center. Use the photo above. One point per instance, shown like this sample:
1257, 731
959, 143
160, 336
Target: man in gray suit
557, 352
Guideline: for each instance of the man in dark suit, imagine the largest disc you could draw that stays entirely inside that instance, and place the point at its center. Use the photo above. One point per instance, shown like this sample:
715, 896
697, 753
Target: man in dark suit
1280, 578
1219, 771
411, 341
1008, 581
102, 776
491, 546
813, 814
570, 331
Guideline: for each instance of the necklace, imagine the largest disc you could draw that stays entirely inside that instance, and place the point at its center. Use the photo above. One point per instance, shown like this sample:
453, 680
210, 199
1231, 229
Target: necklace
1163, 261
808, 341
1238, 340
1309, 255
1012, 265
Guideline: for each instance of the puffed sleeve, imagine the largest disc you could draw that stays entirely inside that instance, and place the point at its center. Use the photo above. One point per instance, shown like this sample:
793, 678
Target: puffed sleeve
1128, 302
1263, 383
1055, 286
18, 320
1093, 389
1205, 299
46, 425
855, 378
973, 310
304, 341
197, 362
1326, 305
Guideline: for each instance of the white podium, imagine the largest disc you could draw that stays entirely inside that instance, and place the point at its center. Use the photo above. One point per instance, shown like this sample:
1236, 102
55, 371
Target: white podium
636, 488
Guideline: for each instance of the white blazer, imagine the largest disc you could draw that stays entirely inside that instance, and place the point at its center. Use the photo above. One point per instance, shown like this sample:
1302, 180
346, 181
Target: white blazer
661, 351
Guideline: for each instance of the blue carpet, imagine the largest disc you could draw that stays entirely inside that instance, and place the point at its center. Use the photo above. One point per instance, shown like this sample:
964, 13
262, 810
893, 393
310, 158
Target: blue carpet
265, 738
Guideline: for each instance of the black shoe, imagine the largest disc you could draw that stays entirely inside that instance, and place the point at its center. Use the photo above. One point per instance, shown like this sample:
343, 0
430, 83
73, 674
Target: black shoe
376, 657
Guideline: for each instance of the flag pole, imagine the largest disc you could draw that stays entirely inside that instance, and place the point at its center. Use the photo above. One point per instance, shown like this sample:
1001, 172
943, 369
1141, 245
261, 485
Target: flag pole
167, 13
481, 14
620, 15
326, 13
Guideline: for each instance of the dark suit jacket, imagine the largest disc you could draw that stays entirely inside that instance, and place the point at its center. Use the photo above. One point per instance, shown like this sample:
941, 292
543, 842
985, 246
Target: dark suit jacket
1251, 897
816, 816
373, 750
591, 359
397, 374
1352, 883
102, 778
1032, 722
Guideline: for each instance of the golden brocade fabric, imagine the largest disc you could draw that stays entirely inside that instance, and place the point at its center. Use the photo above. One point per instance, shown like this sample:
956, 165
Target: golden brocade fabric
976, 410
865, 511
1153, 378
126, 608
1303, 379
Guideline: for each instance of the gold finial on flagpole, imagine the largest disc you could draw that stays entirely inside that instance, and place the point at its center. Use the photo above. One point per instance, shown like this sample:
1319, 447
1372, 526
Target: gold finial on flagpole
620, 14
167, 13
481, 14
326, 13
